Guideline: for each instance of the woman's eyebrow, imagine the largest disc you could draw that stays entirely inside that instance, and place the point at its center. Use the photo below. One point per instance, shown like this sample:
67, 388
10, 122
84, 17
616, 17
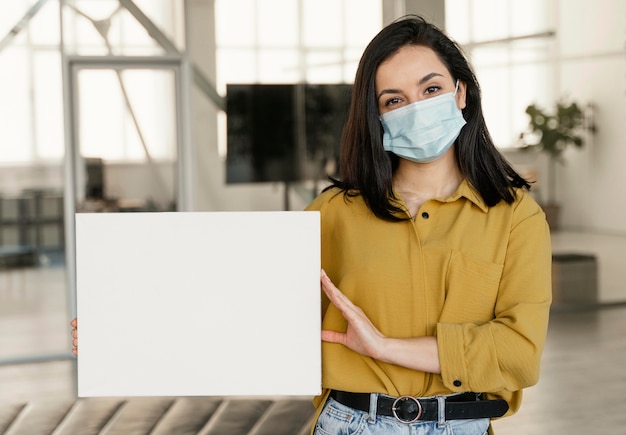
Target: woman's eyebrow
428, 77
387, 91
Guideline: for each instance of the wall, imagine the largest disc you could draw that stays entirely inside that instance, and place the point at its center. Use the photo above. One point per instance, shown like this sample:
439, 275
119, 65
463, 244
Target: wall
591, 67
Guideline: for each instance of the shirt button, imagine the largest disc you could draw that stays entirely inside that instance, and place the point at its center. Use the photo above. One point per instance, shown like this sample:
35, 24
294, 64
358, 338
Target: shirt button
457, 383
425, 215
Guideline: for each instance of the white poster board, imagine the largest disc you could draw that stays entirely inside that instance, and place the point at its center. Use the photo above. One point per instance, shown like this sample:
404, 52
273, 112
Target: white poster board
198, 304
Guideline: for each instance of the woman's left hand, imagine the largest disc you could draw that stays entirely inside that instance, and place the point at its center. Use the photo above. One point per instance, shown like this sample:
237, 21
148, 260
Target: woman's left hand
361, 335
74, 325
417, 353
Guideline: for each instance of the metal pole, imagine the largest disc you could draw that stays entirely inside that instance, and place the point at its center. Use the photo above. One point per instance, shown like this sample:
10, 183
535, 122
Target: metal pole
21, 24
69, 185
30, 359
198, 77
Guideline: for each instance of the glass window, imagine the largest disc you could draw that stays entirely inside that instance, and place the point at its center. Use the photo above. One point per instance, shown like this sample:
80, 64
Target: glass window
12, 13
16, 131
100, 27
457, 24
33, 296
47, 105
235, 23
363, 20
323, 25
44, 30
510, 46
125, 129
323, 66
30, 68
278, 66
291, 41
531, 16
317, 30
489, 19
238, 64
276, 24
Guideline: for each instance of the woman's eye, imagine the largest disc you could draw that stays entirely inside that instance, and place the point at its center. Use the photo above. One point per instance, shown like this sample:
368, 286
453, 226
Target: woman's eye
392, 101
432, 89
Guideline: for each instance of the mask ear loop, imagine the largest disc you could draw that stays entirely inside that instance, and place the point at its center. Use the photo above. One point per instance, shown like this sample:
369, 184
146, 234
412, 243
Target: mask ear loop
456, 87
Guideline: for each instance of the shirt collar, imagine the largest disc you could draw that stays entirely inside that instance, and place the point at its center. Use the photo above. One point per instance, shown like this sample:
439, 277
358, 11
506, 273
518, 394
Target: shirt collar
466, 190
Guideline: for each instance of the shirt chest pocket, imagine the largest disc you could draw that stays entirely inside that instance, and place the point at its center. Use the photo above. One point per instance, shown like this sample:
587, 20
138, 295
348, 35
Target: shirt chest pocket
471, 289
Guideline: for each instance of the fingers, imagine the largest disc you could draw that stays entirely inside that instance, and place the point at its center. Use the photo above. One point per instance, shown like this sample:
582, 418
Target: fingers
74, 332
334, 294
334, 337
332, 291
74, 324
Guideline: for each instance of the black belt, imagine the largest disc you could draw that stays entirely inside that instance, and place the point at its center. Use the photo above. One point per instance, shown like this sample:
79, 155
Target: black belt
408, 409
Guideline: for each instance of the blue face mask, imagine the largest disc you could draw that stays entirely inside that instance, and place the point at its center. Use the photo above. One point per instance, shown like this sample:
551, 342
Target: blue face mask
425, 130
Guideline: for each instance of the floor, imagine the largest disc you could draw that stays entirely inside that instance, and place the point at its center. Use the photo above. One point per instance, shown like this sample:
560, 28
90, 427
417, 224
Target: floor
582, 389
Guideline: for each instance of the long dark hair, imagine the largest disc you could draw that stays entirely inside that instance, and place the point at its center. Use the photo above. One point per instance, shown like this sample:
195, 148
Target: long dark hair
367, 169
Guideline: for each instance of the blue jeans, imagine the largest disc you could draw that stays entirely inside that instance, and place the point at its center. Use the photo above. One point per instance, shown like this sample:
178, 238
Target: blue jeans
338, 419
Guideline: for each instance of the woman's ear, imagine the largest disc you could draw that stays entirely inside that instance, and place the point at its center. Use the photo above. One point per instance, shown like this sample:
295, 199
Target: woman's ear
460, 95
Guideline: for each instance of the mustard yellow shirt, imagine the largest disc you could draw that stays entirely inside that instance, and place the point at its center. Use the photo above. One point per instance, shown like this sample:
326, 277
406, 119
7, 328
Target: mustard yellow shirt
476, 277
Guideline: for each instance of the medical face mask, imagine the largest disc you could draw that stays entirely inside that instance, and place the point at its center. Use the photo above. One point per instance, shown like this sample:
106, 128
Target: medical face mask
425, 130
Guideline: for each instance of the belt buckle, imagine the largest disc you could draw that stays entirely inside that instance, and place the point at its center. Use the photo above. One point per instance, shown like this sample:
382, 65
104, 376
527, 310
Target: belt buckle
404, 399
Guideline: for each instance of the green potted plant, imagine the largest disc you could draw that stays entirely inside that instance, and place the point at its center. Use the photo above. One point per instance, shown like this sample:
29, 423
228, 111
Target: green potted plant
552, 132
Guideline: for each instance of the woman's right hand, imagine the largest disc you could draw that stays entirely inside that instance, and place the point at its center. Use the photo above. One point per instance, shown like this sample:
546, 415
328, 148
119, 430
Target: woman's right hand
74, 324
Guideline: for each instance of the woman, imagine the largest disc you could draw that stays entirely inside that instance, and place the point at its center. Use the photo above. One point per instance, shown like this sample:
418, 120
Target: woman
442, 256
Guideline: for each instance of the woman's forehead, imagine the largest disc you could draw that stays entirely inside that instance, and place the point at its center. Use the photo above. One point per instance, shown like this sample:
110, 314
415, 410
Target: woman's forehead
415, 60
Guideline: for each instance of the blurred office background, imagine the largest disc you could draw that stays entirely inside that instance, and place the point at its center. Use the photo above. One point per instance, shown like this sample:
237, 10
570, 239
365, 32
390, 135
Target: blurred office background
119, 106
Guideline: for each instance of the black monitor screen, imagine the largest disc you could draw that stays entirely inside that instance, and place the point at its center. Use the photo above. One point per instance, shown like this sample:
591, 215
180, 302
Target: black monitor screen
284, 132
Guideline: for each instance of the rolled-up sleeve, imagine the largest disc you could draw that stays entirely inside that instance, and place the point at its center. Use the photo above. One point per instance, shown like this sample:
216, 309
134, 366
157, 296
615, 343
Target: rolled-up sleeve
504, 353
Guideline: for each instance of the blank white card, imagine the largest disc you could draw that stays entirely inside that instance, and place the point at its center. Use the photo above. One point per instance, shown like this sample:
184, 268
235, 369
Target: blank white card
198, 304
